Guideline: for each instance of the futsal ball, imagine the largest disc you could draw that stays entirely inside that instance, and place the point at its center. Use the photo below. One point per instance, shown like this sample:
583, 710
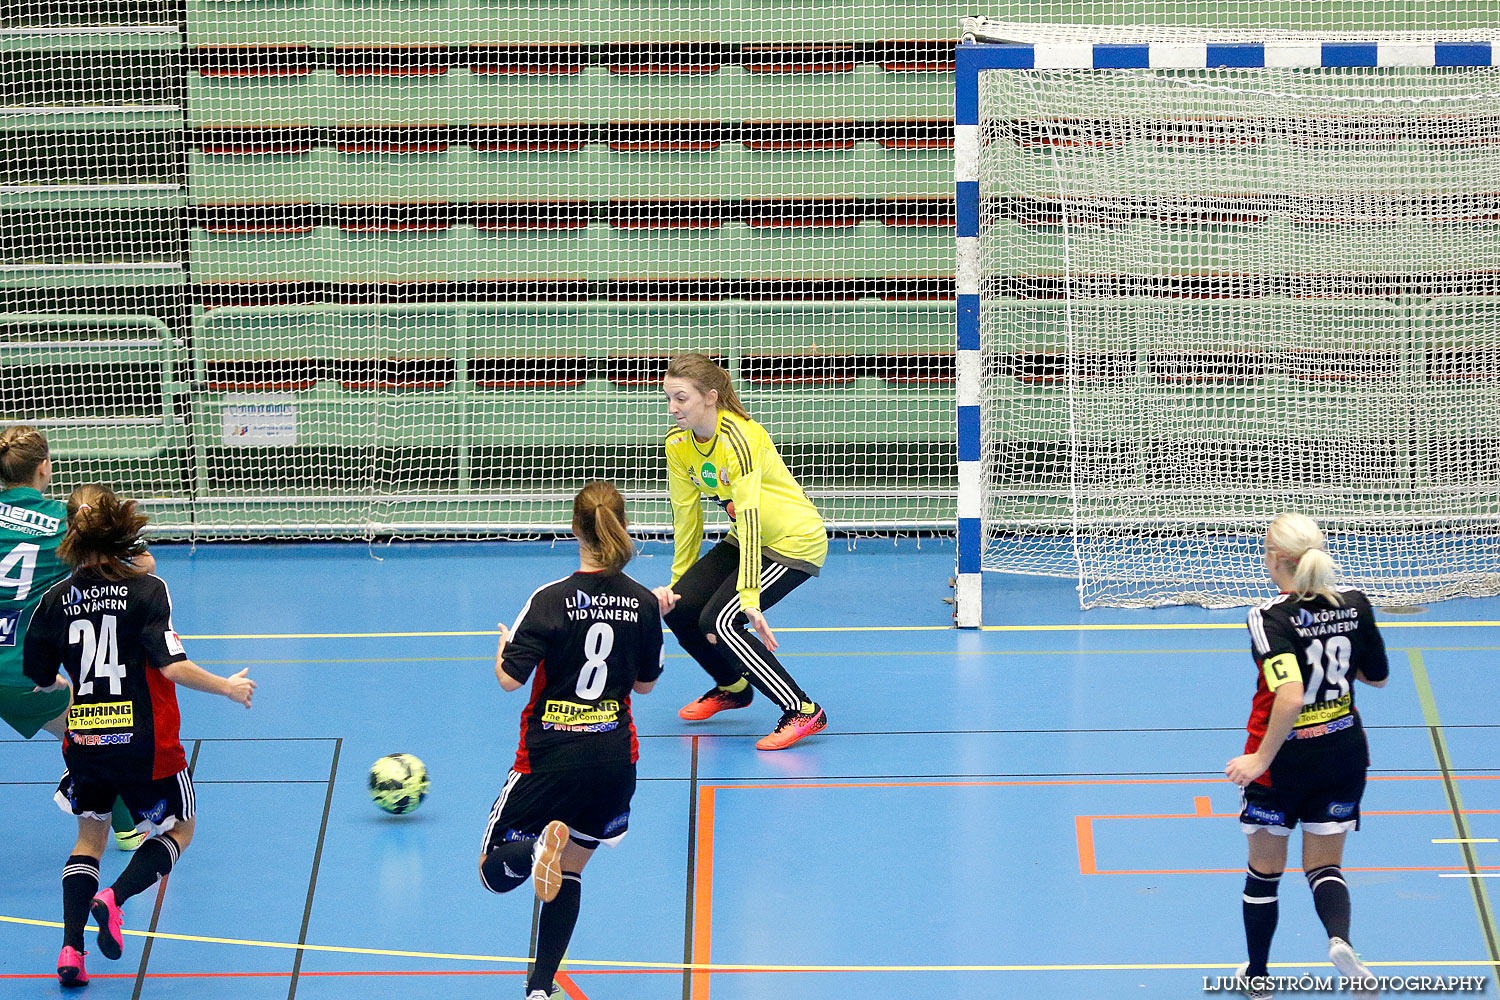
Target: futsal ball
398, 783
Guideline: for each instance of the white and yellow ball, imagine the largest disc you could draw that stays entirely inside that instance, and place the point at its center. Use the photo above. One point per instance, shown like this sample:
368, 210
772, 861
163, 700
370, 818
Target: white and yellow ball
398, 783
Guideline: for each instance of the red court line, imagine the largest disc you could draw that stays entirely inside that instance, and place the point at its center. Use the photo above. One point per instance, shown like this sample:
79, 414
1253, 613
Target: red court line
410, 972
569, 987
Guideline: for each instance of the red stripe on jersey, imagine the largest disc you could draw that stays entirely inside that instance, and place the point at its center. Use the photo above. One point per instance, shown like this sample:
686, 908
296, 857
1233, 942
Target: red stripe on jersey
1260, 717
167, 757
538, 683
635, 744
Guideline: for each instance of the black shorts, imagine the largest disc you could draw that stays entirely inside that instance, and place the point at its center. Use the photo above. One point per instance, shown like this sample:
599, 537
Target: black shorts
593, 801
156, 806
1323, 798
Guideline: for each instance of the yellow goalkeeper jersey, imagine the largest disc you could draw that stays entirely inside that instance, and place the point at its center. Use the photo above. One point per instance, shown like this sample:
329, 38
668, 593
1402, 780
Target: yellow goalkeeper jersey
741, 471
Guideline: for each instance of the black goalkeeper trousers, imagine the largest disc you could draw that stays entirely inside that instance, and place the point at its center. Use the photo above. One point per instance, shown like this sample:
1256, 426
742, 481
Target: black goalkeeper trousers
710, 606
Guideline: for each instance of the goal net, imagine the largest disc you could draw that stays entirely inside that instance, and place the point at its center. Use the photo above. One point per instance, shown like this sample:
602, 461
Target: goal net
1216, 281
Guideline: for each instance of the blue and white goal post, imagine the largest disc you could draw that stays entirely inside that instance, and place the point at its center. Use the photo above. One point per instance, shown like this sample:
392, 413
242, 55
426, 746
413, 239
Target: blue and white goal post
1073, 272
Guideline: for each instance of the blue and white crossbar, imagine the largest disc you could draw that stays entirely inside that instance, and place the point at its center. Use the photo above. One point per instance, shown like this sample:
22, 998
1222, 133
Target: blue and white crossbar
974, 58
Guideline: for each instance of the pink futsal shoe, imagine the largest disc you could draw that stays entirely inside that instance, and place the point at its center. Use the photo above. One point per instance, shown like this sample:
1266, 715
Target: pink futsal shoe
70, 971
794, 725
111, 924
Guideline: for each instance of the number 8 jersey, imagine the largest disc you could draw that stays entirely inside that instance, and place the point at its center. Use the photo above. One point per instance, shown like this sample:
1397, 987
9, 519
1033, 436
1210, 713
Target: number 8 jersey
1323, 645
112, 638
589, 638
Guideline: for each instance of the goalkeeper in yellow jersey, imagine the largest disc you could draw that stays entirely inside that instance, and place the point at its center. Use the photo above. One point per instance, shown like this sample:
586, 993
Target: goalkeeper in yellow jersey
776, 543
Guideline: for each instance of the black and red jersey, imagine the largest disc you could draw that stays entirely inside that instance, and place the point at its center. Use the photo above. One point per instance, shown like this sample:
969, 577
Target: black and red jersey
589, 638
1326, 644
112, 638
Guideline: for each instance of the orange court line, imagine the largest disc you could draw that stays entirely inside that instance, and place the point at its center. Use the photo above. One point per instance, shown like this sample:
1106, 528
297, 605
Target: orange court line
703, 872
1088, 863
703, 891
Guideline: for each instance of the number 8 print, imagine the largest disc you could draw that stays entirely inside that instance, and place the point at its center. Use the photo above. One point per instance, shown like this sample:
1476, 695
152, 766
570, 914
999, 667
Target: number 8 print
596, 646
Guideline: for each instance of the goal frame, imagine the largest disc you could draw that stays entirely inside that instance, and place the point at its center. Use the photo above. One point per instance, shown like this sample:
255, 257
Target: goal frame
976, 57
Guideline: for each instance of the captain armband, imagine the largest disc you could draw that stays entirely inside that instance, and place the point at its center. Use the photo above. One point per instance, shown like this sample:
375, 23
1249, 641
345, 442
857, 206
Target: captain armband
1280, 669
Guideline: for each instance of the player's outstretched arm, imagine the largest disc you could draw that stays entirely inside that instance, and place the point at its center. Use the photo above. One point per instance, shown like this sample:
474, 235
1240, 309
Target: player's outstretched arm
507, 682
238, 688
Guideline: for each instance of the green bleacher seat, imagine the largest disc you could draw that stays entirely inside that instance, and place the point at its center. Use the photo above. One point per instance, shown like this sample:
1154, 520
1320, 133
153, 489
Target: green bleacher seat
257, 22
326, 97
592, 172
101, 386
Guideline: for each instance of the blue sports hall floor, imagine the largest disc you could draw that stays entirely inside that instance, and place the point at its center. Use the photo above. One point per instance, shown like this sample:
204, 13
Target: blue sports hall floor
1036, 810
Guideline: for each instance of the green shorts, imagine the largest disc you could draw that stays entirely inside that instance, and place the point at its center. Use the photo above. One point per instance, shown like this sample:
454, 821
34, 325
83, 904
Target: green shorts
27, 711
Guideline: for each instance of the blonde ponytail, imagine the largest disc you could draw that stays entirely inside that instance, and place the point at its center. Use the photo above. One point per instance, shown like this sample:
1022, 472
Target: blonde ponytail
22, 451
1296, 541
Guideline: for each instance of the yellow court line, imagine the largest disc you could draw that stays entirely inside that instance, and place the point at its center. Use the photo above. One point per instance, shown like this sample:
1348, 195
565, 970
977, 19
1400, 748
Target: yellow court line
1132, 627
1163, 967
1468, 840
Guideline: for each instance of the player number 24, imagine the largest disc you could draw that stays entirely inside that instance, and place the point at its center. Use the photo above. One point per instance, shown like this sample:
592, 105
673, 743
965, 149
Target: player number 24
100, 656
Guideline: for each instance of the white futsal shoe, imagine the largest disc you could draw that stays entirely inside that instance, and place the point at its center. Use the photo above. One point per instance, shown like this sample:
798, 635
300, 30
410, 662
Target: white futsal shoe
1251, 992
1343, 958
546, 861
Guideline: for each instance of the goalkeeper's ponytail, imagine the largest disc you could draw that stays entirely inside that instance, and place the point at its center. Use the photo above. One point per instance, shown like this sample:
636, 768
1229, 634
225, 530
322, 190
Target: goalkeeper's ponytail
701, 370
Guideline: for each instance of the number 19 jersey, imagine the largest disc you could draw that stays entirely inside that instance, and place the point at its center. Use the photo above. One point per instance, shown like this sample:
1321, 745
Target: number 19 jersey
1323, 645
589, 638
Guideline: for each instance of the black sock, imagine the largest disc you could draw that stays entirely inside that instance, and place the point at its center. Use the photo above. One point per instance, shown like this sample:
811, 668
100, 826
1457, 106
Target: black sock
151, 861
1260, 910
507, 866
80, 878
1331, 898
554, 931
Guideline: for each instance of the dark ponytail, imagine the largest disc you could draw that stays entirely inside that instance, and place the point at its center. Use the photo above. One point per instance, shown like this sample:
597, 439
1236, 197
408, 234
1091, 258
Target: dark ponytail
599, 522
104, 532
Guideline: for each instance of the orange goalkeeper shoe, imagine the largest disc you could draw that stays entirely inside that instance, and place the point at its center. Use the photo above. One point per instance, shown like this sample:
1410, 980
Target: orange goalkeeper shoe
716, 700
794, 725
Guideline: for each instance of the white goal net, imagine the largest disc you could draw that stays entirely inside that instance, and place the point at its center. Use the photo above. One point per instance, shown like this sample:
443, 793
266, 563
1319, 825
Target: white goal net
1210, 295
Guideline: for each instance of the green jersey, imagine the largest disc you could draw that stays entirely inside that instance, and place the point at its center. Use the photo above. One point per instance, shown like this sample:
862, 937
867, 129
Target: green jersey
31, 527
